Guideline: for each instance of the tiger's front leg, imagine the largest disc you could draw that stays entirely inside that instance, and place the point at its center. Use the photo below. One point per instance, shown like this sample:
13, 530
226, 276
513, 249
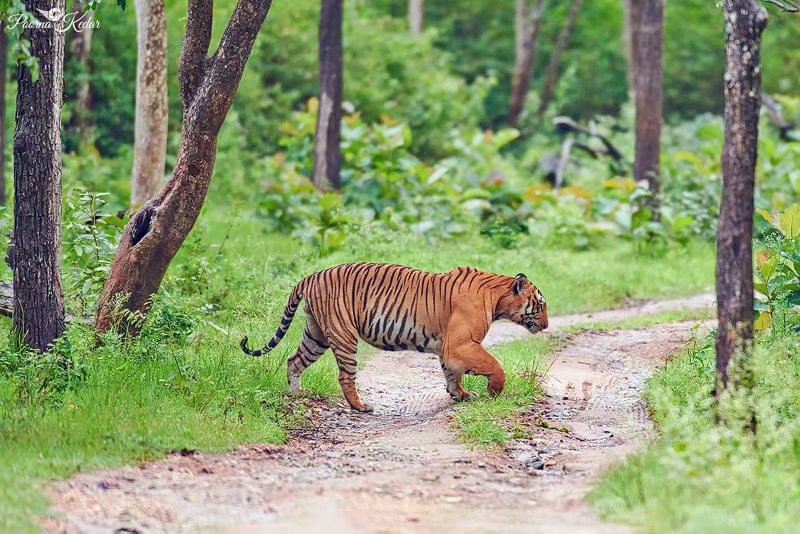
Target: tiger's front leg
472, 358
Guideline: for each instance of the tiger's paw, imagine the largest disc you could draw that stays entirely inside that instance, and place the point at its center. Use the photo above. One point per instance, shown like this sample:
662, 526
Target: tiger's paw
364, 408
465, 395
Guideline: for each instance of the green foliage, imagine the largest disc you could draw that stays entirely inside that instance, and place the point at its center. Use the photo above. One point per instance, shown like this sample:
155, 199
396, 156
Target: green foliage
90, 238
490, 421
699, 476
777, 269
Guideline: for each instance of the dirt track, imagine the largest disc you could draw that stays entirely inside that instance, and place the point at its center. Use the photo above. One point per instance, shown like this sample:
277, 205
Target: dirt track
401, 469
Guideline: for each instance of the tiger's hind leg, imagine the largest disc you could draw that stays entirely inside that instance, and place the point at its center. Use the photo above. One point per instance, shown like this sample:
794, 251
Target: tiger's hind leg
454, 386
345, 352
312, 346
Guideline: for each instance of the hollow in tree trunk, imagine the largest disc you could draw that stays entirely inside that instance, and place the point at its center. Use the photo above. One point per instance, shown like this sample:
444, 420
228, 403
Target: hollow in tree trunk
155, 233
151, 121
554, 66
38, 316
745, 21
647, 24
527, 22
327, 154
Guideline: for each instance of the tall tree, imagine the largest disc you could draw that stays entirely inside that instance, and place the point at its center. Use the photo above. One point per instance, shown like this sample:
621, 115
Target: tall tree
80, 48
627, 43
155, 233
415, 16
151, 121
554, 66
647, 25
327, 154
745, 21
527, 21
38, 316
3, 67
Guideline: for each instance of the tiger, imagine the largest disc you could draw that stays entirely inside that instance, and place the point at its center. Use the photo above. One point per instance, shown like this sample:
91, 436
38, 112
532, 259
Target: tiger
394, 307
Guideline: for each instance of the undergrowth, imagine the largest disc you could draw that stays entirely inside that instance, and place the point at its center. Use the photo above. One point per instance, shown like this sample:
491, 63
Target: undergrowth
698, 476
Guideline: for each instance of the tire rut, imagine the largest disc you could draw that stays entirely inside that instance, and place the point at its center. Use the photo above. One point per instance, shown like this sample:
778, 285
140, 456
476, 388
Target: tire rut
401, 468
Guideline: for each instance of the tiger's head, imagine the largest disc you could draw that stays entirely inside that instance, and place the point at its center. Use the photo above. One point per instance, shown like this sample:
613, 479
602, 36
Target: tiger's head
524, 304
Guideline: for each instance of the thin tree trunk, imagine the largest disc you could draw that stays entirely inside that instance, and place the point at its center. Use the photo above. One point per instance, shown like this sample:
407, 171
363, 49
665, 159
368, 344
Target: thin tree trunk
627, 43
3, 66
745, 21
80, 47
415, 16
552, 73
648, 33
526, 24
327, 154
151, 121
38, 301
155, 233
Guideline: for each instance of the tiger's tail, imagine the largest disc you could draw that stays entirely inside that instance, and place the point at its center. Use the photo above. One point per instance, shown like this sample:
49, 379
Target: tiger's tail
286, 321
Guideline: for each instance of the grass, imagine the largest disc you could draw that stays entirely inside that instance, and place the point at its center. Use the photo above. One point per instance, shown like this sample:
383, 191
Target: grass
185, 385
643, 321
698, 476
490, 421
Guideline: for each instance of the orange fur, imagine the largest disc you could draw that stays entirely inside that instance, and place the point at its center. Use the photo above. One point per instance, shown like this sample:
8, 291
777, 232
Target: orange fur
394, 307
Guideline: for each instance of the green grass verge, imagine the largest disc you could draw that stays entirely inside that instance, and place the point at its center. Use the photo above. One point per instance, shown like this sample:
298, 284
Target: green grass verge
643, 321
185, 385
702, 477
491, 422
486, 422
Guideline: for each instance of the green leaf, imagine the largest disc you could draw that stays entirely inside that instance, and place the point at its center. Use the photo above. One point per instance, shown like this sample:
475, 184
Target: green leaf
763, 322
122, 4
790, 221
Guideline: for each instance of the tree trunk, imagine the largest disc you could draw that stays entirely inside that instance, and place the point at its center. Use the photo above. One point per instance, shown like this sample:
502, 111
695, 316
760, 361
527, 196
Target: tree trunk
327, 154
80, 47
648, 31
155, 233
745, 21
415, 16
552, 73
526, 24
38, 300
3, 66
150, 125
627, 43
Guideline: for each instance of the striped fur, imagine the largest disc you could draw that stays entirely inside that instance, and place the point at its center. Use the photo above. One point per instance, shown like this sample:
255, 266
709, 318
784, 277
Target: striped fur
394, 307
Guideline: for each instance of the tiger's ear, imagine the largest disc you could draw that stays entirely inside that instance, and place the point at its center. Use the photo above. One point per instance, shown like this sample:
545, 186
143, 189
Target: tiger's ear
520, 281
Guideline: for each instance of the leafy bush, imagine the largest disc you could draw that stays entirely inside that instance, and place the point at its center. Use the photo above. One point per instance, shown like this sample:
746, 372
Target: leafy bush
91, 235
700, 475
777, 269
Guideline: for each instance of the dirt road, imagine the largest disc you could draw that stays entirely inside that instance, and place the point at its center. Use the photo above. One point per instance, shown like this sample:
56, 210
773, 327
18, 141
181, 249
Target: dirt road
401, 469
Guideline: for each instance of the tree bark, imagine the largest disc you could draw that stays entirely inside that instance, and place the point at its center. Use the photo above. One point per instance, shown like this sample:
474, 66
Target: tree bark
745, 21
527, 22
151, 120
327, 154
155, 233
627, 43
80, 47
553, 67
3, 66
647, 18
38, 301
415, 16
